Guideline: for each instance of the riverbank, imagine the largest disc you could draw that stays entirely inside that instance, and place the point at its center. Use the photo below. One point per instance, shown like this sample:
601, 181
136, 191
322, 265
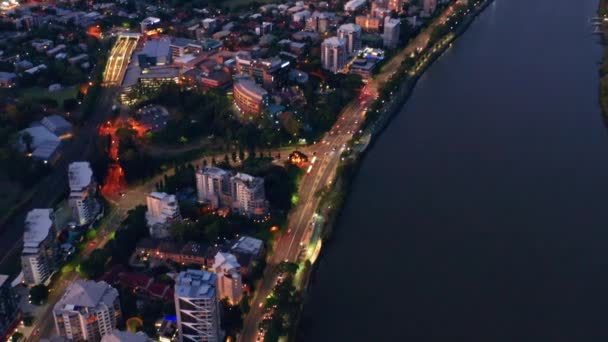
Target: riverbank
334, 198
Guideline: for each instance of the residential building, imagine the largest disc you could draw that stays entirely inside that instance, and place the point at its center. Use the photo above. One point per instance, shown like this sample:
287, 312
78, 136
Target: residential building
57, 125
369, 23
7, 79
319, 21
125, 336
392, 28
249, 98
87, 311
354, 5
39, 257
196, 306
9, 308
333, 54
44, 144
213, 187
149, 24
429, 7
83, 193
351, 33
229, 282
247, 245
163, 209
248, 195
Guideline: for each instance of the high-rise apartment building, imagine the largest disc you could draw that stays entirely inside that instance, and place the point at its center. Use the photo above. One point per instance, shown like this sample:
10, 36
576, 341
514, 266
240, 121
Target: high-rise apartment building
83, 193
213, 187
248, 195
392, 28
351, 33
333, 54
87, 311
163, 209
39, 258
196, 306
229, 282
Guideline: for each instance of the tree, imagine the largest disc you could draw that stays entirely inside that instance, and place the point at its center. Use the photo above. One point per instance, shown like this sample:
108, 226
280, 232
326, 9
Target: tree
70, 105
28, 140
234, 156
39, 294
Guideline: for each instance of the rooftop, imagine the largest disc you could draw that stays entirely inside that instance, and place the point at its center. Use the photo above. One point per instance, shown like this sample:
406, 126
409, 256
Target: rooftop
80, 175
249, 86
334, 42
215, 171
124, 336
157, 47
38, 223
86, 294
247, 245
196, 284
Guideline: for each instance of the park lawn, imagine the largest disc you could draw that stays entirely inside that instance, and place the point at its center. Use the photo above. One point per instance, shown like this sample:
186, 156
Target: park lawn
59, 96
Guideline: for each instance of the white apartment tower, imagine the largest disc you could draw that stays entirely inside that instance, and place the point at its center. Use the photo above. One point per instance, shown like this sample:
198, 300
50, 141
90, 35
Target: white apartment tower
392, 28
163, 209
87, 311
248, 195
229, 280
351, 33
333, 54
83, 191
213, 187
196, 306
39, 257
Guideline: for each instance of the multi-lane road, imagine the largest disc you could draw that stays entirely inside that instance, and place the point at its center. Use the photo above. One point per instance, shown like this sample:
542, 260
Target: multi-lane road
290, 246
119, 58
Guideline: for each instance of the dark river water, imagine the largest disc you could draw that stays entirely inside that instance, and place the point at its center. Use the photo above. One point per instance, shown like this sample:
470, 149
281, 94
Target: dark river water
481, 213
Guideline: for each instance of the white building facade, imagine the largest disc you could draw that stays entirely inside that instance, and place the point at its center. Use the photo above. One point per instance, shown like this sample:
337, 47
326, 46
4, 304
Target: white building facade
213, 187
196, 306
87, 311
229, 281
163, 209
248, 195
39, 258
392, 29
351, 33
83, 193
333, 54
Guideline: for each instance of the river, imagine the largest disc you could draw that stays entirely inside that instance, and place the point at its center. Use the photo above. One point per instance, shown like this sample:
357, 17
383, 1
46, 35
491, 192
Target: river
481, 213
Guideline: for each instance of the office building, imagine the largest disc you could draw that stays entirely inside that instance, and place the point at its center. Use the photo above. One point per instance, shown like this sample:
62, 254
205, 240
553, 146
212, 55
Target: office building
87, 311
369, 23
429, 7
83, 193
248, 195
156, 52
269, 72
196, 306
249, 98
213, 187
229, 282
163, 209
333, 54
9, 308
392, 28
39, 258
351, 33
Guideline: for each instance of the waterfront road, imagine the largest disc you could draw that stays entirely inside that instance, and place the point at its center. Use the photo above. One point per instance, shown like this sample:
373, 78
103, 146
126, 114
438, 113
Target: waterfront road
293, 243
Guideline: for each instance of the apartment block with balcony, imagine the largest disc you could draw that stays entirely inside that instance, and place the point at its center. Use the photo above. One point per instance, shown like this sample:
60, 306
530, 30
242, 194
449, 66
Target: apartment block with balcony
40, 255
196, 306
